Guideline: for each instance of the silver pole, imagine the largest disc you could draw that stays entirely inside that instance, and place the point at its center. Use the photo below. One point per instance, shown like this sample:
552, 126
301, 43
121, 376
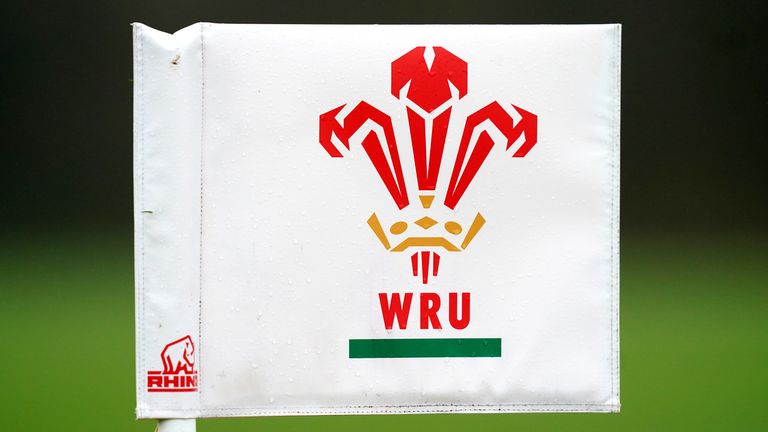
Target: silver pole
176, 425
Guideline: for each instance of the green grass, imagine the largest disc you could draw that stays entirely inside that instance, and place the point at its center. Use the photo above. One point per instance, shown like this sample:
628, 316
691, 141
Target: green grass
694, 326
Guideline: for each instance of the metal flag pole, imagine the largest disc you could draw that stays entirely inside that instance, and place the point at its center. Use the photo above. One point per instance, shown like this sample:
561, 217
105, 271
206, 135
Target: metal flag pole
176, 425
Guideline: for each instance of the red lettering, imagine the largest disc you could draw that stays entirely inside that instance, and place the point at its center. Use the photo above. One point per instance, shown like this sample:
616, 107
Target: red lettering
453, 313
430, 304
157, 382
154, 381
395, 309
171, 381
190, 381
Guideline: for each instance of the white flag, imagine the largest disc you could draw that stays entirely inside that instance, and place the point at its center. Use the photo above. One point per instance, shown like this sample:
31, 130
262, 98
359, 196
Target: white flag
376, 219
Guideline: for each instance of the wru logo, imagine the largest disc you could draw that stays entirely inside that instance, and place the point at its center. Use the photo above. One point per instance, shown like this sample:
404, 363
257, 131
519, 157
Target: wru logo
428, 82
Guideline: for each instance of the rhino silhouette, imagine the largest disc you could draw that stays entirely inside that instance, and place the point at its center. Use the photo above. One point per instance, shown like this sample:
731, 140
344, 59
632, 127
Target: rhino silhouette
178, 356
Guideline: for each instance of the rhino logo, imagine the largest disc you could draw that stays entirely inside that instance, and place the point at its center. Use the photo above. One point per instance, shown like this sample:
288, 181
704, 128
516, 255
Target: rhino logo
179, 356
178, 374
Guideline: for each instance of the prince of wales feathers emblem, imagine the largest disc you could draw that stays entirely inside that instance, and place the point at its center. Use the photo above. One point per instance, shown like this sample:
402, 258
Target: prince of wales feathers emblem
428, 82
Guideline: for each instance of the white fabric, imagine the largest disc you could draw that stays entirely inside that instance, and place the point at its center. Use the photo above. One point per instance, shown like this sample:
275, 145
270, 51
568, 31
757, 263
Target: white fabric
253, 241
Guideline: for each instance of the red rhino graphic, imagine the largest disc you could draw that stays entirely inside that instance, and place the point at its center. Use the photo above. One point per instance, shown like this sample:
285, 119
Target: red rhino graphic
178, 356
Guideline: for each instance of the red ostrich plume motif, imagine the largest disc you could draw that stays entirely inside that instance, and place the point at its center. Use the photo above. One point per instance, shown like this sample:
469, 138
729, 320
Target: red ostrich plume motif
428, 82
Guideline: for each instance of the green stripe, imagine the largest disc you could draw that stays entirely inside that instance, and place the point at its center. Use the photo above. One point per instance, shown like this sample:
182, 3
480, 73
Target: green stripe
409, 348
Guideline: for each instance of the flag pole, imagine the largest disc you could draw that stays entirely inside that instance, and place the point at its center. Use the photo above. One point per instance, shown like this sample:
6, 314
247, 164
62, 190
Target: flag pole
176, 425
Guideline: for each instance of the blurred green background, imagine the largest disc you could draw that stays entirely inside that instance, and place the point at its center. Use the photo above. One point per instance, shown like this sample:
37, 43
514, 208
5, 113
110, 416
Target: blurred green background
694, 293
